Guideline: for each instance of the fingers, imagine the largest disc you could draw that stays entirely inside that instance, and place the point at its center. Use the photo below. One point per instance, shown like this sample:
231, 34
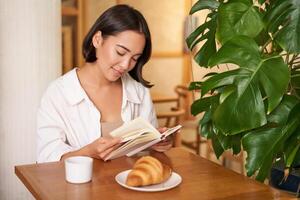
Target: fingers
108, 151
106, 146
162, 129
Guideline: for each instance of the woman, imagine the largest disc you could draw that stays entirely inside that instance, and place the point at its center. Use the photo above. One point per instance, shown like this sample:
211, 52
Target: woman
79, 109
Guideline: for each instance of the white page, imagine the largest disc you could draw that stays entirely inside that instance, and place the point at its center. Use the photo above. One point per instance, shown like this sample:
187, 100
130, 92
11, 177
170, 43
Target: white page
132, 126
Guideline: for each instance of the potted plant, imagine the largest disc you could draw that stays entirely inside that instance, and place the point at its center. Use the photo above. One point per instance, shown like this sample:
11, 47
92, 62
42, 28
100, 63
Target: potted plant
254, 107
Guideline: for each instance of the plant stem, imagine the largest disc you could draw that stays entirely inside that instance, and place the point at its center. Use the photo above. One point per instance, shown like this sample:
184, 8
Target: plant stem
266, 44
287, 58
293, 59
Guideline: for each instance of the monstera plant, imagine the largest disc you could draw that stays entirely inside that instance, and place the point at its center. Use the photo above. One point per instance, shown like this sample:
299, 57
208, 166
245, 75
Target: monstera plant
254, 106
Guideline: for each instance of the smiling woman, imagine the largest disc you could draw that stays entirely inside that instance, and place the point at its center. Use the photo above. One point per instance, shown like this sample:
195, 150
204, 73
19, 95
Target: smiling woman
79, 109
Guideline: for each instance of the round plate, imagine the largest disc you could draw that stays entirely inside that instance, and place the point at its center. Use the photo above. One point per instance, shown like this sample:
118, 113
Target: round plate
174, 180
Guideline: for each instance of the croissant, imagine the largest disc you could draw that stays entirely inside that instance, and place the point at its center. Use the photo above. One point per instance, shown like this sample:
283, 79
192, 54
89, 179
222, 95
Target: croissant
147, 171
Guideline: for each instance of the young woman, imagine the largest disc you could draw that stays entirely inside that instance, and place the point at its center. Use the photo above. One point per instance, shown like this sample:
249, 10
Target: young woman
79, 109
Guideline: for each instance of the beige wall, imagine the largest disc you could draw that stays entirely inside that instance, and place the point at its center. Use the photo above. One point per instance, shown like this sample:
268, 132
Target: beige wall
93, 9
30, 57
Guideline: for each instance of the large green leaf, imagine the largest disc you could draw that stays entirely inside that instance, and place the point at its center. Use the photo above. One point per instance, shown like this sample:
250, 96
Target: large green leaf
225, 78
208, 49
280, 115
276, 15
217, 147
221, 143
204, 4
244, 109
288, 37
295, 83
193, 39
291, 147
263, 144
196, 85
202, 104
238, 18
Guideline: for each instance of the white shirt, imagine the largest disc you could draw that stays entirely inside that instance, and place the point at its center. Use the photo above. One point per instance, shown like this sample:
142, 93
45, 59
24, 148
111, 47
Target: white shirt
67, 119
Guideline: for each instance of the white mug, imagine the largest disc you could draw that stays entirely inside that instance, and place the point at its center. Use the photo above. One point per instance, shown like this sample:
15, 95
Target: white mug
79, 169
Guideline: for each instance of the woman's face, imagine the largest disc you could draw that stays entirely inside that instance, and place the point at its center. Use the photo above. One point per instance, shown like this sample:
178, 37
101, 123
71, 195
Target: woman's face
118, 54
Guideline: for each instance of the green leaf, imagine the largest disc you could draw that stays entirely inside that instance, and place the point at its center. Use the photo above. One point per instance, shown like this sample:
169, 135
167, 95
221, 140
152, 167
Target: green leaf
191, 39
261, 1
230, 142
217, 147
202, 104
227, 91
218, 80
204, 4
209, 47
276, 15
239, 113
292, 144
263, 144
296, 161
206, 126
244, 109
288, 37
206, 51
195, 85
291, 148
295, 83
238, 18
281, 113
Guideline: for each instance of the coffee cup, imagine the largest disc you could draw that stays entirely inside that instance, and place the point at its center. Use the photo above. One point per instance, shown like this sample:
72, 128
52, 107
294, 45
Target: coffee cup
78, 169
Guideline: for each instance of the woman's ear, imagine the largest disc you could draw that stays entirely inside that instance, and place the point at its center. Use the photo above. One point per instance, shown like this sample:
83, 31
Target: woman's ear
97, 39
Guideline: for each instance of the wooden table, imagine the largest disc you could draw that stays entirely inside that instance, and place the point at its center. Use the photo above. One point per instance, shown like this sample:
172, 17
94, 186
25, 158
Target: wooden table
202, 179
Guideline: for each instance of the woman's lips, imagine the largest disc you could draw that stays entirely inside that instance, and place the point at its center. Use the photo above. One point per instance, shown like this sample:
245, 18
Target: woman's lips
118, 72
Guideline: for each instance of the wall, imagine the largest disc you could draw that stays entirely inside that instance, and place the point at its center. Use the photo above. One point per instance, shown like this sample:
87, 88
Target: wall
30, 57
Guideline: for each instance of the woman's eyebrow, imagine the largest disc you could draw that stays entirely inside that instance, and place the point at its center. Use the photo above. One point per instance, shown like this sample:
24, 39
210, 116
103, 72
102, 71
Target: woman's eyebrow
119, 45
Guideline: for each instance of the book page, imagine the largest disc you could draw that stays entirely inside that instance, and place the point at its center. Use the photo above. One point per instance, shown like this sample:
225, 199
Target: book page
135, 127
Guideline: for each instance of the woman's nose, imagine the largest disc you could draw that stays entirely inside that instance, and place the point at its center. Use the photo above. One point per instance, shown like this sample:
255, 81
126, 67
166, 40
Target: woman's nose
126, 64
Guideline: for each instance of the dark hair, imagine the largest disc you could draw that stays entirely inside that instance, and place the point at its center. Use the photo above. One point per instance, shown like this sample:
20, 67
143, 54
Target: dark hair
114, 20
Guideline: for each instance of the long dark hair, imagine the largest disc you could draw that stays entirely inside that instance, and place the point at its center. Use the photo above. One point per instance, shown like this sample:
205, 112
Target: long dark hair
114, 20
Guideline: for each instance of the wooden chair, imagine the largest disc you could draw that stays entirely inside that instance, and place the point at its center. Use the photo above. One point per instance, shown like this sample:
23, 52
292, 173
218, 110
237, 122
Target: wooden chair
188, 121
172, 116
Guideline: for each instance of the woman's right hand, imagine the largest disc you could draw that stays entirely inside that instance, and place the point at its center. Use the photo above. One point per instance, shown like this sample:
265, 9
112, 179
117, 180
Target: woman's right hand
99, 149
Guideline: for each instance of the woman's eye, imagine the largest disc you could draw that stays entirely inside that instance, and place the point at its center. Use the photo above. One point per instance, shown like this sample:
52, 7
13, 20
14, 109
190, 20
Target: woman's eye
120, 53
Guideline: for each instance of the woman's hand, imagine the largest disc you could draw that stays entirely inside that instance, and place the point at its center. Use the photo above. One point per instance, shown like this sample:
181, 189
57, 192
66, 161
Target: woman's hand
99, 149
165, 144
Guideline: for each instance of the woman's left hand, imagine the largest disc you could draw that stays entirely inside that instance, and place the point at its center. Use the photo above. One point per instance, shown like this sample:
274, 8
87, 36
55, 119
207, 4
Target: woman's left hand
165, 144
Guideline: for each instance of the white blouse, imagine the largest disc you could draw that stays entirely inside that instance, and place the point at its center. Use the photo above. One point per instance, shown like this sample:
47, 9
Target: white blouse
67, 119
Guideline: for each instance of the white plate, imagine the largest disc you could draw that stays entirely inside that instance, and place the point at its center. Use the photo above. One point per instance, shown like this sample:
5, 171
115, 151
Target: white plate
172, 182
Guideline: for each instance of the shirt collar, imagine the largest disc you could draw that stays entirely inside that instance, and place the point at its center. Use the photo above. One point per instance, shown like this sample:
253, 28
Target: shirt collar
73, 89
130, 90
75, 93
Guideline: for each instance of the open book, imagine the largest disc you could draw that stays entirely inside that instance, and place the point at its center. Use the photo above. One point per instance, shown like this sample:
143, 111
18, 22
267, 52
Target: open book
136, 136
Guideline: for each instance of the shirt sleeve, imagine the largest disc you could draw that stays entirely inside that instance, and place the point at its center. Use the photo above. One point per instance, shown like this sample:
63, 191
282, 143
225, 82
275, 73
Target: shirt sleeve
147, 109
51, 138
